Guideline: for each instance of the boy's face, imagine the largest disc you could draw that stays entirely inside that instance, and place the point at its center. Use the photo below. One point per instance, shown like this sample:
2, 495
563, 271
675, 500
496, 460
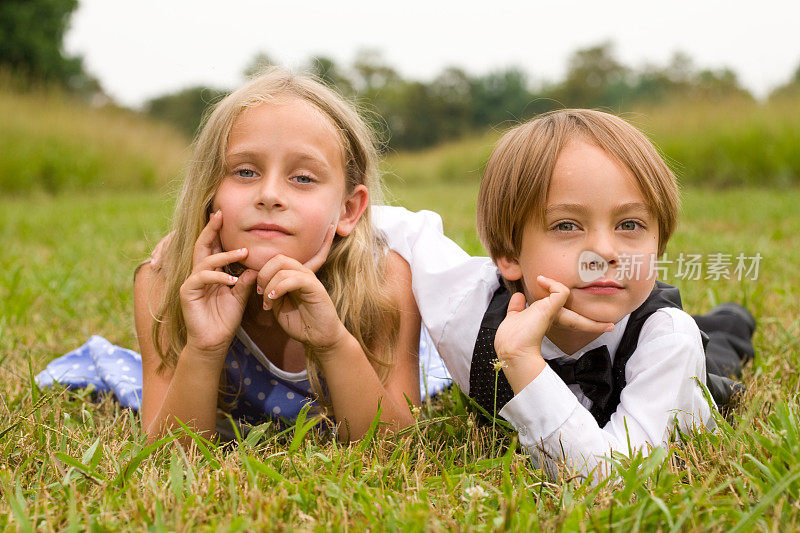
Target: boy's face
598, 237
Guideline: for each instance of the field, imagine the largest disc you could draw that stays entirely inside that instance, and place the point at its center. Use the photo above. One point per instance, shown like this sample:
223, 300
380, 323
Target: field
70, 463
67, 462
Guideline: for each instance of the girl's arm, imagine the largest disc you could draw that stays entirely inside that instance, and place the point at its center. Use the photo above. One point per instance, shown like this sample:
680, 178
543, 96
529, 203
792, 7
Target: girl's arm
187, 392
354, 386
304, 310
212, 311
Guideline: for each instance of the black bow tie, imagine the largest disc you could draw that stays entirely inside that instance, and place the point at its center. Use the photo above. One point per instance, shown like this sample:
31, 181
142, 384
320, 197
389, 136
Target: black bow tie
592, 372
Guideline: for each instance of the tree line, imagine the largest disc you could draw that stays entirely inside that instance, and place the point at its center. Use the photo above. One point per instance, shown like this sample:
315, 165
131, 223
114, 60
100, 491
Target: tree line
412, 114
407, 113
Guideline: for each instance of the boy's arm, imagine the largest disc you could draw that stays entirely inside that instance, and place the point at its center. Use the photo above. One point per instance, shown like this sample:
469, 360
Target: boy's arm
452, 289
662, 389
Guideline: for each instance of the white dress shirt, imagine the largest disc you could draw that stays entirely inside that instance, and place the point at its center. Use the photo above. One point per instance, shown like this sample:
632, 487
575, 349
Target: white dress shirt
453, 291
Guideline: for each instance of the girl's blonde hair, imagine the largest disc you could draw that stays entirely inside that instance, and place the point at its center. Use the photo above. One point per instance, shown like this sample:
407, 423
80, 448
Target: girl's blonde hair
517, 176
353, 273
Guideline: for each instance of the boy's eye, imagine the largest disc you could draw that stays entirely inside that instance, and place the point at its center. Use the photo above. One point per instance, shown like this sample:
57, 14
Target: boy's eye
566, 226
629, 225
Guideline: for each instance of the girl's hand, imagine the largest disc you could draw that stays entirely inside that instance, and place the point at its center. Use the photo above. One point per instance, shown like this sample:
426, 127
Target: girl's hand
299, 301
212, 301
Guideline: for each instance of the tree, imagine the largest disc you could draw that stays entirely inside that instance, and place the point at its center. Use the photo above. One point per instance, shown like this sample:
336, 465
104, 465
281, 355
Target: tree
789, 89
185, 109
31, 43
501, 96
594, 78
328, 71
371, 71
258, 64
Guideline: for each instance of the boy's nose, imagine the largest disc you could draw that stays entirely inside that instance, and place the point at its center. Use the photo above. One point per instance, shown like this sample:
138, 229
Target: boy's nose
605, 246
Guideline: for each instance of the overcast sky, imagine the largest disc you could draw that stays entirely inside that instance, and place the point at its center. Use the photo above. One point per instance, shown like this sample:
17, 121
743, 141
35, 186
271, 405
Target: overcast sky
140, 49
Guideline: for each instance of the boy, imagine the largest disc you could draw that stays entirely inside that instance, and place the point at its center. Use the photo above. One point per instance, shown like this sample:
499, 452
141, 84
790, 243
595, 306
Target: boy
574, 208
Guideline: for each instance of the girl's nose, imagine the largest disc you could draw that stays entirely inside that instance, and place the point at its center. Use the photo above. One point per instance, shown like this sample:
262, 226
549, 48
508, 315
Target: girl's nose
270, 193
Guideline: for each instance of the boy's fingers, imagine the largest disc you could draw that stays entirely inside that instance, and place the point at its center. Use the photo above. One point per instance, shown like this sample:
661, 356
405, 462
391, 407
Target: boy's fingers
319, 258
570, 319
158, 251
208, 240
559, 293
516, 304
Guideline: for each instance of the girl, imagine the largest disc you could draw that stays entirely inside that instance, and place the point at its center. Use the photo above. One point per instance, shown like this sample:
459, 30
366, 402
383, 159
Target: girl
274, 289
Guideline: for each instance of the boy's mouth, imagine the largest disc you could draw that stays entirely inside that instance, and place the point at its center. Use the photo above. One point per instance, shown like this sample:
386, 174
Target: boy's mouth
602, 287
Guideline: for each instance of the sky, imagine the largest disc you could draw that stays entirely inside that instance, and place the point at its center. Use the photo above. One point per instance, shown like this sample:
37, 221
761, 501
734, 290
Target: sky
139, 50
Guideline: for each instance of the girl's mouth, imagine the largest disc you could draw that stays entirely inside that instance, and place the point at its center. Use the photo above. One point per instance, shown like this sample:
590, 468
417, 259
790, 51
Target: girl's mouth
268, 231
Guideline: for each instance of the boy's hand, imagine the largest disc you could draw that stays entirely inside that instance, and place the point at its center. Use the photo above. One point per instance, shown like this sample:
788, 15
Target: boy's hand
520, 334
518, 342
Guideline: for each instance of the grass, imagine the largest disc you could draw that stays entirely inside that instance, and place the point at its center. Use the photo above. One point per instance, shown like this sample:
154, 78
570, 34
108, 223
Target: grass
67, 462
52, 142
708, 144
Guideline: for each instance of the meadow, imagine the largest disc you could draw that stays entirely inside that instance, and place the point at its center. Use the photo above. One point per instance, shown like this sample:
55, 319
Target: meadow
68, 462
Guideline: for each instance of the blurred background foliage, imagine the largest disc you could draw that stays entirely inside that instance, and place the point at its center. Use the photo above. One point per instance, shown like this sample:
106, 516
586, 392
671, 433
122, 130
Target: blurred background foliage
60, 131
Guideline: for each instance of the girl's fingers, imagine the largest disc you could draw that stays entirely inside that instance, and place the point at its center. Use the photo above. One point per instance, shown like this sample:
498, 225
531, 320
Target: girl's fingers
319, 258
292, 281
570, 319
201, 279
241, 290
273, 266
208, 240
213, 262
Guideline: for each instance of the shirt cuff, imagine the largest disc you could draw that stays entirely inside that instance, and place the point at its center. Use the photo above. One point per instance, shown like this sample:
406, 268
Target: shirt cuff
542, 407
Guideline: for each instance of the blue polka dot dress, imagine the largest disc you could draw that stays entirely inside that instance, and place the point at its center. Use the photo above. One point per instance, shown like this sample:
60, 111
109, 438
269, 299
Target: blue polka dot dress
258, 389
255, 388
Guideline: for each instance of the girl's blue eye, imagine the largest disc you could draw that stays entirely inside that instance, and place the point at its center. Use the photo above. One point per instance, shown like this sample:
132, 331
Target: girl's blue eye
566, 226
629, 225
245, 173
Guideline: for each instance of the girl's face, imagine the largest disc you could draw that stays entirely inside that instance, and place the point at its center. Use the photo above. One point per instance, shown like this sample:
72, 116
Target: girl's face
284, 183
599, 237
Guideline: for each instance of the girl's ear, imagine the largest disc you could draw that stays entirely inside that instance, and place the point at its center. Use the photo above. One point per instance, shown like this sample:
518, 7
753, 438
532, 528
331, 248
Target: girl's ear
353, 207
509, 268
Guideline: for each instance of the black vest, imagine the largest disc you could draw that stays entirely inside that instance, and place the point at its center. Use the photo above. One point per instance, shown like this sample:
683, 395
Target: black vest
482, 374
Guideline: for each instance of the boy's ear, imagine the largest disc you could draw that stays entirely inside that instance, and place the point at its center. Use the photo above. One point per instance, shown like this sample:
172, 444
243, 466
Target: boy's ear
509, 268
353, 207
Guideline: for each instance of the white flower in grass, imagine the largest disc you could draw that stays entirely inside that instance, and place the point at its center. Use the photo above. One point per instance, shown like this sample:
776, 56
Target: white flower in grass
475, 492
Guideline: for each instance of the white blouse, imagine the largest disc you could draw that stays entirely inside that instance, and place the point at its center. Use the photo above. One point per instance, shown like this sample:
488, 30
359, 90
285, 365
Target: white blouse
453, 291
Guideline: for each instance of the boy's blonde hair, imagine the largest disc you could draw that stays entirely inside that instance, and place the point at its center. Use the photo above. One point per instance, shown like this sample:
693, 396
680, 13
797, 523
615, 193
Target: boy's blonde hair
517, 177
364, 306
